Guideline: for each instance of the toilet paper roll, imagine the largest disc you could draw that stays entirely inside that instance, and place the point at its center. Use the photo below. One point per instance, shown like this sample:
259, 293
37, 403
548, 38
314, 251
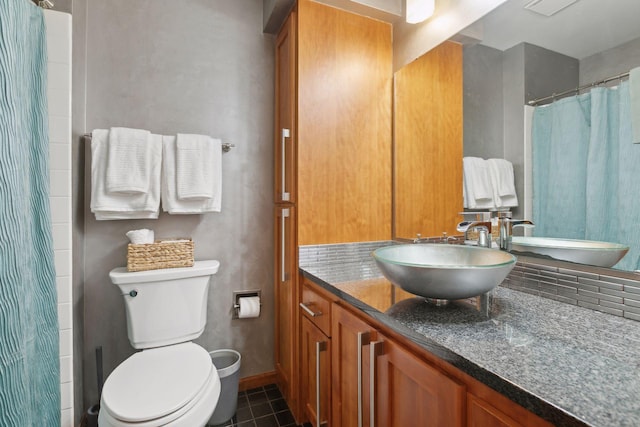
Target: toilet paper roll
249, 307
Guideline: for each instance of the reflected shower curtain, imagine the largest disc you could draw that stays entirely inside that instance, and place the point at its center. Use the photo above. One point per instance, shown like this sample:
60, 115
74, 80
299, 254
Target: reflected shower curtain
29, 355
585, 184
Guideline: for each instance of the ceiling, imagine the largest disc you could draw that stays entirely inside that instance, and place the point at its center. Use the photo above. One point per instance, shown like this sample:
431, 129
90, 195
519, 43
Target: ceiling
580, 30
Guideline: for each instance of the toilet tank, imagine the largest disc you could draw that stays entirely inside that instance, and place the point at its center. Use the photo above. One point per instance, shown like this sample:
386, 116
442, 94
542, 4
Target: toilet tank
166, 306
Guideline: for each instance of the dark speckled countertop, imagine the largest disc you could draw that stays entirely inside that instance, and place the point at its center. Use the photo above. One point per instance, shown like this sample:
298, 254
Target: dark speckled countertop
570, 365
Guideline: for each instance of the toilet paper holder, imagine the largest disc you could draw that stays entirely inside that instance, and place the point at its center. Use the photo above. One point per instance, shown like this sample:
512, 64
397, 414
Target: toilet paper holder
242, 294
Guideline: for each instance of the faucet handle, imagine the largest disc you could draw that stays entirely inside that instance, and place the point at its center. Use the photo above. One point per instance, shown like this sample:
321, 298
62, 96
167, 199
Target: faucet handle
484, 237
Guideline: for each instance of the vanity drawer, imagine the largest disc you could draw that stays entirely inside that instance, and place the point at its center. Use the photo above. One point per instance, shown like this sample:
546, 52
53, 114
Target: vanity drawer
316, 307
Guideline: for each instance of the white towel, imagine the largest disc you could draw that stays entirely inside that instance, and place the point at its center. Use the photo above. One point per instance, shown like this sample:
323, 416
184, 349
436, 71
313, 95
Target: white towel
128, 161
198, 166
107, 206
477, 188
634, 91
504, 189
170, 201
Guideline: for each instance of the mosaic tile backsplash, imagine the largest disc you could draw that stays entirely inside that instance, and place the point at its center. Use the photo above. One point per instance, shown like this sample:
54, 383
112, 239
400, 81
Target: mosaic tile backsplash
594, 289
590, 289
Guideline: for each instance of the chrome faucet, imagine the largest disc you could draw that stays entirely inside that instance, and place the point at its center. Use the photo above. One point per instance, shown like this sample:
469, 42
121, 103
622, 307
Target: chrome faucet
484, 231
506, 224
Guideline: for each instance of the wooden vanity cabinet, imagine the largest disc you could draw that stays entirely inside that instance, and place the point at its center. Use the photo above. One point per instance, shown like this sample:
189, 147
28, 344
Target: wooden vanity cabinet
351, 340
379, 380
315, 355
410, 391
382, 383
488, 408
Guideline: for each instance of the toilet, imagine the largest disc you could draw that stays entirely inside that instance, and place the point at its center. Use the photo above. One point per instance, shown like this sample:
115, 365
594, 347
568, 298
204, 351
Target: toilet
171, 381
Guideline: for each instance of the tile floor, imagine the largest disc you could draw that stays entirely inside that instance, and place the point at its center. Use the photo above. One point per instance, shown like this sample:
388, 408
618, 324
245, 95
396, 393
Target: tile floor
261, 407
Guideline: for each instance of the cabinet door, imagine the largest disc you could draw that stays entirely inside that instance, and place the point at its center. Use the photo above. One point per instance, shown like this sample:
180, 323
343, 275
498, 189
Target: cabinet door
316, 373
410, 392
350, 341
285, 153
481, 413
286, 301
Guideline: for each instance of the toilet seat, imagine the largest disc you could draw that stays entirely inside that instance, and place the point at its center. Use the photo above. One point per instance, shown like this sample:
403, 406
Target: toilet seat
173, 385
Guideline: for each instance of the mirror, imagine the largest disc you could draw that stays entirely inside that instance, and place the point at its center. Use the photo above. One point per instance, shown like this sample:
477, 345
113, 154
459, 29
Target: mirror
514, 55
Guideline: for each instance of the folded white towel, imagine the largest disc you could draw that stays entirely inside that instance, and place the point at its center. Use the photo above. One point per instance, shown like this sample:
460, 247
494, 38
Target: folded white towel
170, 201
128, 161
477, 187
198, 166
504, 189
107, 205
634, 92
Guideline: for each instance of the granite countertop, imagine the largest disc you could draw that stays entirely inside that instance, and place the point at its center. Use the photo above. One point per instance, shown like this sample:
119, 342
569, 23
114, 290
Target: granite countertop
570, 365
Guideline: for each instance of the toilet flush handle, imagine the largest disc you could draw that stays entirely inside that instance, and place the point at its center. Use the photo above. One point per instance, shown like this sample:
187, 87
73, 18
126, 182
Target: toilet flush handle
132, 294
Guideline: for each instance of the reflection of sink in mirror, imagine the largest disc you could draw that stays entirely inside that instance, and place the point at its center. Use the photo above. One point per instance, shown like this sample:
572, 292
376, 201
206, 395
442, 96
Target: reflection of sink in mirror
442, 271
601, 254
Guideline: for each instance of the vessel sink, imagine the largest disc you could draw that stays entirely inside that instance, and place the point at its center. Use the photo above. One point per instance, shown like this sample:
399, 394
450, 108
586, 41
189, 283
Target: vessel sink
442, 271
600, 254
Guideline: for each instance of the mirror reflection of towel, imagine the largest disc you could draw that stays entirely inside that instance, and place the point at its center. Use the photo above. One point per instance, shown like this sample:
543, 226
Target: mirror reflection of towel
478, 190
502, 181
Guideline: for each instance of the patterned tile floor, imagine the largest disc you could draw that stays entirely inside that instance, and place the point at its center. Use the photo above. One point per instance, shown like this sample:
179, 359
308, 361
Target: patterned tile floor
261, 407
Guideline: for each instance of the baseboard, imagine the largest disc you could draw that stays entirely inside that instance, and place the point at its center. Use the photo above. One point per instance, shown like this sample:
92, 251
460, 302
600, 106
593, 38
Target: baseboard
259, 380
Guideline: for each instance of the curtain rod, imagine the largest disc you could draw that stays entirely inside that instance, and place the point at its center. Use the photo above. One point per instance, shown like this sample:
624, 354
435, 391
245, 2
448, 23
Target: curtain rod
226, 146
578, 89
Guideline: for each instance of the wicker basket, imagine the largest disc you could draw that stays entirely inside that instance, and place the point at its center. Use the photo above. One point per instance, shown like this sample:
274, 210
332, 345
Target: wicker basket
161, 254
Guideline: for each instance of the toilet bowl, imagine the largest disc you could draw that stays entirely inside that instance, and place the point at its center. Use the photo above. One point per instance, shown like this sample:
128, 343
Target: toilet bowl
171, 381
175, 385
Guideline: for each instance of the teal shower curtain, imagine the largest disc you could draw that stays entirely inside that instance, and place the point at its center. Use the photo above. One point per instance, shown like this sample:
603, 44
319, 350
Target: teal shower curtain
29, 355
585, 180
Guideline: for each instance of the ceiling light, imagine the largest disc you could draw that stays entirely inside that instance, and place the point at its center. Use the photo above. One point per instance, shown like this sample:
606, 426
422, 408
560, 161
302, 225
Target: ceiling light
419, 10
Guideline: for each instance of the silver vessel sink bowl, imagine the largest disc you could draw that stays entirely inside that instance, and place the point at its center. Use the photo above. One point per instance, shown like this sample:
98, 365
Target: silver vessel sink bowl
440, 271
600, 254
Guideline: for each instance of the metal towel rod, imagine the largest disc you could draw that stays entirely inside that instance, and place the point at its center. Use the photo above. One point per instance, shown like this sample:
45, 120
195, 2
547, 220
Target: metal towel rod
226, 146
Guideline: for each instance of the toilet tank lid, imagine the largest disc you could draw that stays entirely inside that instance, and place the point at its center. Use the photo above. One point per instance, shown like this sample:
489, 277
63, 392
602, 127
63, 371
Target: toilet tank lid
120, 275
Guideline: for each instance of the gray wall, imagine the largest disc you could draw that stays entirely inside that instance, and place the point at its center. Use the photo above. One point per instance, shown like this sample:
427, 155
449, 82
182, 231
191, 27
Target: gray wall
483, 108
496, 87
610, 62
548, 72
196, 66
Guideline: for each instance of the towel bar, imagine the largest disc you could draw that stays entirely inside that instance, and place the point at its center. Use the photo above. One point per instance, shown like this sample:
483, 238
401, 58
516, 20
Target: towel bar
226, 146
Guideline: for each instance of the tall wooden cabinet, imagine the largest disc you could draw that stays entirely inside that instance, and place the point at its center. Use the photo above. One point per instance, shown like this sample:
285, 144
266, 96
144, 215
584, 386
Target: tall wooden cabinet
285, 218
332, 140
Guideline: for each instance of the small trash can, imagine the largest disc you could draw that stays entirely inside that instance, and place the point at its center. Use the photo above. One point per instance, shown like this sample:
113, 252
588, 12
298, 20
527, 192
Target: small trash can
227, 362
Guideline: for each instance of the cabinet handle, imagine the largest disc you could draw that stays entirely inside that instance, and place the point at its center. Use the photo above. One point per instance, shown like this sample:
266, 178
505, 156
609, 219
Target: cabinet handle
309, 311
363, 339
284, 135
283, 251
320, 347
376, 348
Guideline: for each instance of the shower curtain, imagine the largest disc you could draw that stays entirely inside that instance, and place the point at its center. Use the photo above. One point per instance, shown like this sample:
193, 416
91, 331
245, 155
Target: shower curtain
585, 181
29, 355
